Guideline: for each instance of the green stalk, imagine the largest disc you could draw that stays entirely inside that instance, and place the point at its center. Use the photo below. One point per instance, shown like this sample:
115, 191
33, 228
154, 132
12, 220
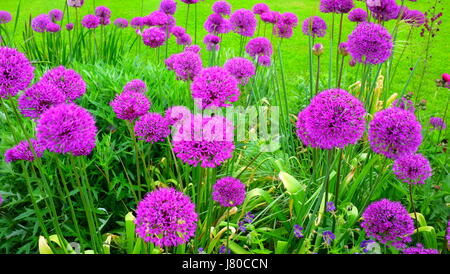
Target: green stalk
330, 65
136, 153
336, 193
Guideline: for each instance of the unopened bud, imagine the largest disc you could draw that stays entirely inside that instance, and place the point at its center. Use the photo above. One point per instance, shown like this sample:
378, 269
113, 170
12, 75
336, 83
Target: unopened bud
317, 49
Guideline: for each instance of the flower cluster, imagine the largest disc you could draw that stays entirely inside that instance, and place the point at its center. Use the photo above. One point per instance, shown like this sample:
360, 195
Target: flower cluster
314, 26
437, 123
261, 49
16, 72
135, 85
229, 192
298, 231
419, 249
243, 22
152, 128
153, 37
130, 105
67, 80
242, 69
22, 151
38, 98
186, 65
412, 169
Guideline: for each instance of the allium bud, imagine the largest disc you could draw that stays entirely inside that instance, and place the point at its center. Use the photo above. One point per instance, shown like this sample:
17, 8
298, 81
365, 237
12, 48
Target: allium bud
317, 49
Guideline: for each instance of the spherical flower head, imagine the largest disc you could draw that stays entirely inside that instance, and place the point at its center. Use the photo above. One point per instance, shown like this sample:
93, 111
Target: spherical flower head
177, 114
156, 18
16, 72
222, 8
22, 151
135, 85
178, 31
5, 17
205, 140
405, 104
152, 128
336, 6
317, 49
104, 21
190, 2
187, 65
229, 192
193, 48
282, 30
90, 21
184, 40
394, 132
264, 61
412, 169
314, 26
53, 27
168, 6
384, 10
102, 12
75, 3
334, 118
270, 17
166, 217
370, 43
67, 80
242, 69
290, 19
130, 105
69, 26
67, 128
38, 98
414, 18
243, 22
212, 42
214, 87
343, 48
260, 8
358, 15
388, 222
121, 23
40, 22
137, 22
216, 24
153, 37
438, 123
419, 249
56, 15
259, 46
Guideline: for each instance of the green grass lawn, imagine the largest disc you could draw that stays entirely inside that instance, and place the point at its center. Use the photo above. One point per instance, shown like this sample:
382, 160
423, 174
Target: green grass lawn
295, 51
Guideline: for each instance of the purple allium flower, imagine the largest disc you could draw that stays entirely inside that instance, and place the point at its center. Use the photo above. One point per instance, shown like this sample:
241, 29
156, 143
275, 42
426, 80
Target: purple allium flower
67, 128
282, 30
90, 21
412, 169
56, 15
438, 123
259, 46
212, 42
22, 151
242, 69
75, 3
264, 60
243, 22
388, 222
222, 8
414, 18
270, 17
121, 23
156, 18
184, 40
168, 6
102, 12
153, 37
166, 217
152, 128
193, 48
186, 65
190, 2
229, 192
40, 22
298, 231
384, 10
177, 114
317, 49
214, 87
419, 249
314, 26
137, 22
178, 31
330, 207
5, 17
405, 104
69, 26
370, 43
333, 119
208, 140
40, 97
130, 105
67, 80
104, 21
394, 132
290, 19
358, 15
336, 6
328, 237
223, 249
343, 48
260, 8
215, 23
135, 85
366, 245
16, 72
53, 27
